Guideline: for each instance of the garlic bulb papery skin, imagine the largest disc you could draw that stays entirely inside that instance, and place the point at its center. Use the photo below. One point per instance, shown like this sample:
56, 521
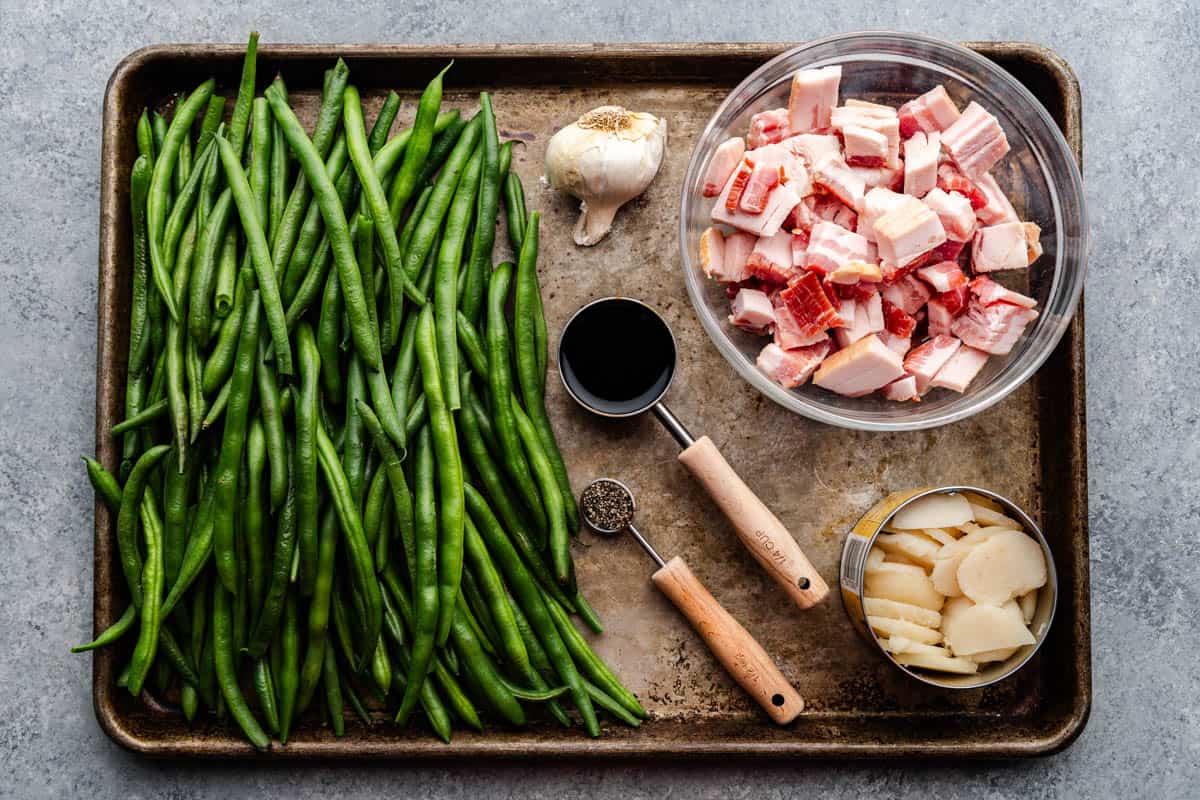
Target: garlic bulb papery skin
605, 158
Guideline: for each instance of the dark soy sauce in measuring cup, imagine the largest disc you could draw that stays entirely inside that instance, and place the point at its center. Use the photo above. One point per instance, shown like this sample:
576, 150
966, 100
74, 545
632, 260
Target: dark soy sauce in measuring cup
617, 356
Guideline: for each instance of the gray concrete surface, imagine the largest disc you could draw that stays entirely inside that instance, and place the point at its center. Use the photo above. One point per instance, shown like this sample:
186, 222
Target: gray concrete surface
1138, 64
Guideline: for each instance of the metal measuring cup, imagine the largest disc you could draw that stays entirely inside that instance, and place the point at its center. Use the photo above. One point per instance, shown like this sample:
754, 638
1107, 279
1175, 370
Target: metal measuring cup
608, 508
759, 530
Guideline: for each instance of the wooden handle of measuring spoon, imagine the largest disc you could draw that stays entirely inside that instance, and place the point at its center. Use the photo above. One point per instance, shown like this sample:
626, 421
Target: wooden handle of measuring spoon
760, 531
743, 657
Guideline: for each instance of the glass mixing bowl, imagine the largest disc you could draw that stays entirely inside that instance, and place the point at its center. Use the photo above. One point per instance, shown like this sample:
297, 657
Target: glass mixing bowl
1039, 175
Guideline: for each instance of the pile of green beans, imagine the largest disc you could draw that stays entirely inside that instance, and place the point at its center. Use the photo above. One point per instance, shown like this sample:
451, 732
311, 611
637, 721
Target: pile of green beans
339, 495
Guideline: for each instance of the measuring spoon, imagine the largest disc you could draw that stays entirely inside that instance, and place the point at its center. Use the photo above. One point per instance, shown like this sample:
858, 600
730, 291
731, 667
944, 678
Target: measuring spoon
616, 357
608, 509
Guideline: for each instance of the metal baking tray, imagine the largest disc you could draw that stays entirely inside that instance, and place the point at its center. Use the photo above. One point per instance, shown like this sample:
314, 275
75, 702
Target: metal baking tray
818, 479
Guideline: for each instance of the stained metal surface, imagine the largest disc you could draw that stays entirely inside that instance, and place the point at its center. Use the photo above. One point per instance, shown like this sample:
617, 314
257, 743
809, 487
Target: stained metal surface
817, 479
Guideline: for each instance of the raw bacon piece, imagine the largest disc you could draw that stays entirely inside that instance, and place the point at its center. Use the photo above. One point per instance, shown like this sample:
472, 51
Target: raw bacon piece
752, 310
943, 276
923, 362
1033, 241
863, 367
881, 119
960, 370
802, 218
712, 253
854, 272
907, 294
954, 300
738, 246
897, 344
738, 184
874, 308
951, 180
947, 250
813, 146
975, 141
884, 177
768, 127
855, 327
902, 389
987, 291
932, 111
791, 368
995, 207
806, 299
876, 203
831, 246
724, 161
993, 329
813, 96
941, 321
854, 291
790, 334
954, 212
906, 232
771, 259
835, 176
896, 320
763, 179
864, 147
999, 247
799, 248
921, 163
780, 203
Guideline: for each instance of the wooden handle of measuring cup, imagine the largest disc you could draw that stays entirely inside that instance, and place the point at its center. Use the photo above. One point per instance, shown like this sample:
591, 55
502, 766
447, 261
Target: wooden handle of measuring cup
760, 531
734, 647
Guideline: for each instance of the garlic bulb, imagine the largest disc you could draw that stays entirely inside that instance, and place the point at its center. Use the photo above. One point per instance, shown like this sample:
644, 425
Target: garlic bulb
606, 158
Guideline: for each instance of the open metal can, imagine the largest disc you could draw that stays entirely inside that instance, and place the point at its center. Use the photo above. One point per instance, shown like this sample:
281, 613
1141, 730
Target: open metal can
858, 545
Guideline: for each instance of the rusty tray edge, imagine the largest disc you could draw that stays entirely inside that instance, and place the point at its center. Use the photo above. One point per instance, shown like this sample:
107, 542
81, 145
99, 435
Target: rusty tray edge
110, 375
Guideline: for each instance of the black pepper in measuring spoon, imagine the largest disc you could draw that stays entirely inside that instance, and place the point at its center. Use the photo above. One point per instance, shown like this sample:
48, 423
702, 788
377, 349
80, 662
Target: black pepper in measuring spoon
607, 505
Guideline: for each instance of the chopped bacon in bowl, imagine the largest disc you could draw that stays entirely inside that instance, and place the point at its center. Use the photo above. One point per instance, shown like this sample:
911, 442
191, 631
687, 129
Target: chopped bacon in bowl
859, 238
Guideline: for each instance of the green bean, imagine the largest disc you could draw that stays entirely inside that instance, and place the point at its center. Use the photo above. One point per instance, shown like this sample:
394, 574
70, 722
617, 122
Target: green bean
156, 201
399, 282
365, 339
279, 179
220, 360
218, 406
454, 235
288, 682
110, 634
150, 413
104, 482
199, 548
209, 182
559, 540
333, 692
260, 255
176, 384
159, 127
533, 695
383, 122
173, 656
185, 204
233, 440
222, 644
356, 446
497, 492
443, 145
374, 505
424, 569
253, 515
500, 389
439, 201
323, 134
176, 496
183, 170
610, 705
505, 158
127, 519
422, 139
318, 611
211, 241
281, 565
225, 287
300, 262
135, 391
359, 553
590, 664
393, 628
304, 456
139, 338
245, 94
392, 466
484, 631
264, 690
272, 422
471, 344
381, 668
587, 613
514, 208
214, 112
487, 206
260, 158
542, 670
189, 701
481, 669
492, 588
532, 604
197, 405
328, 334
486, 429
410, 224
531, 373
450, 478
145, 137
